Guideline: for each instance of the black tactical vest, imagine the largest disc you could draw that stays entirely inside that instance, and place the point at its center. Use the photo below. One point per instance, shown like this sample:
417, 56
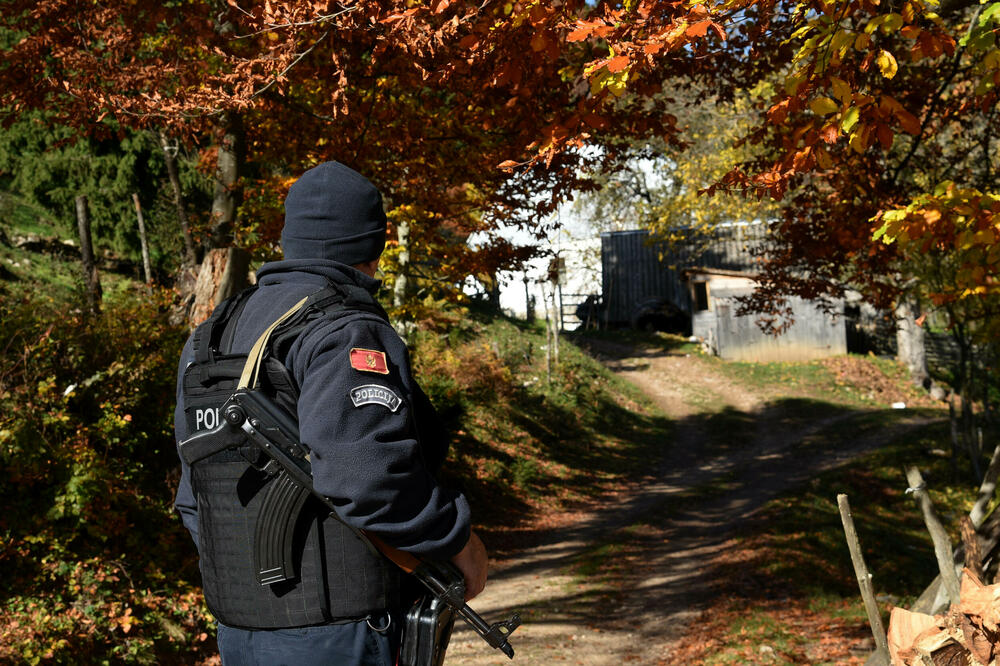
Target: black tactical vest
338, 577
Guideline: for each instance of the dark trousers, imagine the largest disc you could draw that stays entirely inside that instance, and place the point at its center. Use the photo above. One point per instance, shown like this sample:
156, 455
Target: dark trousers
348, 644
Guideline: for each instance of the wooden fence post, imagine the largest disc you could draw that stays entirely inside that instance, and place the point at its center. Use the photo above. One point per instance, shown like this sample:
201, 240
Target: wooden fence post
90, 278
142, 238
881, 655
942, 544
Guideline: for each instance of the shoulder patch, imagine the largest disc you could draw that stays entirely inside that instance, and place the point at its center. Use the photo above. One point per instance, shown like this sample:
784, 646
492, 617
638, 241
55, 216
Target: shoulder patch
373, 394
369, 360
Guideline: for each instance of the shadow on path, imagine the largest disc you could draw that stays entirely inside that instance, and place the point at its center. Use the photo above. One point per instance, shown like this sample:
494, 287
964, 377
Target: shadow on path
721, 467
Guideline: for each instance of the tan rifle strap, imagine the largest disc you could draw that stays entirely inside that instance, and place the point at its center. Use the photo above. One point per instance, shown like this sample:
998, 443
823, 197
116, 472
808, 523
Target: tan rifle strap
251, 371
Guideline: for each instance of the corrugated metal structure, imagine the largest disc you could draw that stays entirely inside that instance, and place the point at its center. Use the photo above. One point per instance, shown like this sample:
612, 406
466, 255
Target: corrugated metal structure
636, 270
814, 334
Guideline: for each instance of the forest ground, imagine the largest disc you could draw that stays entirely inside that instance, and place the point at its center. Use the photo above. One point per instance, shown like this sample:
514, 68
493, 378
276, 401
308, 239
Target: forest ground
627, 580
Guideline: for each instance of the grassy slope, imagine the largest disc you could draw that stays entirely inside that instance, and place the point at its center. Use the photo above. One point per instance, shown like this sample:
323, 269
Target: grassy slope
795, 599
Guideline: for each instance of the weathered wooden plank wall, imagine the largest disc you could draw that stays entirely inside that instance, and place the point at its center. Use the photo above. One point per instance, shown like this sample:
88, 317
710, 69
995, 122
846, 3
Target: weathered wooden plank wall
814, 334
636, 269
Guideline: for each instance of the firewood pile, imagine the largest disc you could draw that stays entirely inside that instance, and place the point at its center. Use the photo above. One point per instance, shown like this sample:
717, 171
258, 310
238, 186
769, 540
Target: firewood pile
967, 635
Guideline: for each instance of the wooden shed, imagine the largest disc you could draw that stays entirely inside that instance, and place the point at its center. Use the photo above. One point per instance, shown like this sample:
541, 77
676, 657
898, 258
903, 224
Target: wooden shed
636, 269
815, 333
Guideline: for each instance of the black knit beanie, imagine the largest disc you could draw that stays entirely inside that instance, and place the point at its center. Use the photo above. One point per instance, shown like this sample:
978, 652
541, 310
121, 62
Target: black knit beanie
333, 212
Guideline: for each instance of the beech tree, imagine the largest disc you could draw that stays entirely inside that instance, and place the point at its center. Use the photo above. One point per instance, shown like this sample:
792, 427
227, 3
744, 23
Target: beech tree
872, 107
428, 100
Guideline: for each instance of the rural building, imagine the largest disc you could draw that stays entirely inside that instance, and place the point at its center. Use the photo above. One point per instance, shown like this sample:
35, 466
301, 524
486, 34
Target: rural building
701, 278
638, 274
815, 332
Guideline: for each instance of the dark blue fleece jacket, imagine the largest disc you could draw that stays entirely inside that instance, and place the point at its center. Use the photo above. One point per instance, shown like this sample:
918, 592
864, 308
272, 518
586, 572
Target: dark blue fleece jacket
376, 463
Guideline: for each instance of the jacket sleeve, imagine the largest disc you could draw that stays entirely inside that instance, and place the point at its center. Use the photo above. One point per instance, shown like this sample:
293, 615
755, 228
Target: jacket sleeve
184, 501
368, 455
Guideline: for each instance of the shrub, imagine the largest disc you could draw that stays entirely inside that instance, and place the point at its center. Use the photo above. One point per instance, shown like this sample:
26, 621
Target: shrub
96, 562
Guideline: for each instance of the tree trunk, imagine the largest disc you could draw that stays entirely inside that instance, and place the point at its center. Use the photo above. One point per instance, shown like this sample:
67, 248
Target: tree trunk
142, 239
402, 285
529, 302
911, 350
227, 173
224, 272
170, 159
401, 288
90, 278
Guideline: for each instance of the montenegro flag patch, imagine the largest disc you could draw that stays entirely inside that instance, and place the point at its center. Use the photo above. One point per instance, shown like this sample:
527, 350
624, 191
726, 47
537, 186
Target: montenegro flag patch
369, 360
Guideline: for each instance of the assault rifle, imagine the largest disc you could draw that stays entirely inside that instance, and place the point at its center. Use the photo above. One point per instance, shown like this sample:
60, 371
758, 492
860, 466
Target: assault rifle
249, 415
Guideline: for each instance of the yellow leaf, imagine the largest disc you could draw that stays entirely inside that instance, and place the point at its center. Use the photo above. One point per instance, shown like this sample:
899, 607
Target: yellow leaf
985, 237
893, 22
887, 64
823, 106
841, 40
859, 139
841, 89
823, 158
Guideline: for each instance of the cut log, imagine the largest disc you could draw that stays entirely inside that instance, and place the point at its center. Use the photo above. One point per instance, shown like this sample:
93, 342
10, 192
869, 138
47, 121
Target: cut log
973, 552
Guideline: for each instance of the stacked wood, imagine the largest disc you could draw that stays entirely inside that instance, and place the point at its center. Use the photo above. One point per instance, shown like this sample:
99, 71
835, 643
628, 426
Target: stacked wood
968, 634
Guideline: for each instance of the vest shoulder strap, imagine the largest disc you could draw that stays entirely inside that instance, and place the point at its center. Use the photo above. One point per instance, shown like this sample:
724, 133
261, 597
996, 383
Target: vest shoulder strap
215, 334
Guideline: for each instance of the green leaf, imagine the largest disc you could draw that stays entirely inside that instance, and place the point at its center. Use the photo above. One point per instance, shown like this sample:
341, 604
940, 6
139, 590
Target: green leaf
991, 13
880, 231
850, 119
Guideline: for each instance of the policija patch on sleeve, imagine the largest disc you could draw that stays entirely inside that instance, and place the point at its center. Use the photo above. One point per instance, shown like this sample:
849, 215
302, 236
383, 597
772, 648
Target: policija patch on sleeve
373, 394
369, 360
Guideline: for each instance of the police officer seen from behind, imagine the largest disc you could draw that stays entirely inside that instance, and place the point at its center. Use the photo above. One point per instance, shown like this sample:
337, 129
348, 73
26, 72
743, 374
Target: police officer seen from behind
374, 441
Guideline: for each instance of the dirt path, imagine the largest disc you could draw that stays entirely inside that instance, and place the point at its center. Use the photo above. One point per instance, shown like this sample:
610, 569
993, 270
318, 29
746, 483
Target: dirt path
567, 620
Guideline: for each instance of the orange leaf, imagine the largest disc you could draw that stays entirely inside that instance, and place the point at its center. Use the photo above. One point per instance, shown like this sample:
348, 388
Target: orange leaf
618, 63
698, 29
507, 164
699, 12
829, 134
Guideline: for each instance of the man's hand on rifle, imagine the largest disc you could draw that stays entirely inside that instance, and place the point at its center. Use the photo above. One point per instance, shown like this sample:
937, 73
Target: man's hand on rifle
472, 562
